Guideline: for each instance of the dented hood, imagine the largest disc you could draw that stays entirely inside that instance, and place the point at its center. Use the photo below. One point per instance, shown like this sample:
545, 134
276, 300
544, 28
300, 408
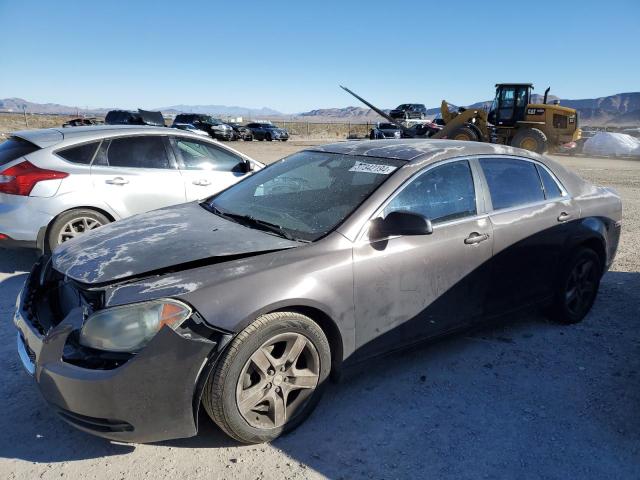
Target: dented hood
173, 238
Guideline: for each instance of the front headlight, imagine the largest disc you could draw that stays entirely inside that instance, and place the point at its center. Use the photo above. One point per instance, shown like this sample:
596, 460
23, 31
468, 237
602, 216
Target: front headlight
128, 328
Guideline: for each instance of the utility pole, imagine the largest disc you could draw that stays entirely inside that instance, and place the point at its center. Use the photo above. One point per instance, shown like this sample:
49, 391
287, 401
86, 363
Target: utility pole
24, 112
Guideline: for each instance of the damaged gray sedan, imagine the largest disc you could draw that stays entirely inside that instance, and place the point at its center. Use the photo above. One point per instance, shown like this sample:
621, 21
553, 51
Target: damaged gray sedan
243, 305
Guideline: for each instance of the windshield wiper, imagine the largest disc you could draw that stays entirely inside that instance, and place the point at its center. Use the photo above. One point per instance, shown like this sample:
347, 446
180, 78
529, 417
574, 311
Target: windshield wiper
261, 224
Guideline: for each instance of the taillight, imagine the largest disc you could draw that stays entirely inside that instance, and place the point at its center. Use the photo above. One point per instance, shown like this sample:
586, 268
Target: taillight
21, 178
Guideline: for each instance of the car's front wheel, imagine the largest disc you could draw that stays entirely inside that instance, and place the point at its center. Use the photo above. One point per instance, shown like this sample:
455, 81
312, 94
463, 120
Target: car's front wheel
577, 287
72, 224
270, 377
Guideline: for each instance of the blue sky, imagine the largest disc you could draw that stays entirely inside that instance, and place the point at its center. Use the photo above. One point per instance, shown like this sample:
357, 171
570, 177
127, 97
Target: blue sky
291, 56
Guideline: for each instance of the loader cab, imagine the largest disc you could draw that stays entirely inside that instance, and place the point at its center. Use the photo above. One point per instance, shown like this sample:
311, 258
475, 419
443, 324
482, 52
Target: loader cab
510, 103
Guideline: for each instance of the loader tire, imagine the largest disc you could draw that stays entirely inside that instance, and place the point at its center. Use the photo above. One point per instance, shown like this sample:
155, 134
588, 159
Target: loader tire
531, 139
464, 133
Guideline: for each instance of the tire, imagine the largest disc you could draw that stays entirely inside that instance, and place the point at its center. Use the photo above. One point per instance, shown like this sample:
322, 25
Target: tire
268, 137
570, 289
464, 133
285, 139
71, 224
223, 390
531, 139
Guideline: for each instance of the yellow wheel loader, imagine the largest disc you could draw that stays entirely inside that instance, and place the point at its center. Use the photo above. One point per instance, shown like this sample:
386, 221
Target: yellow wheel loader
511, 120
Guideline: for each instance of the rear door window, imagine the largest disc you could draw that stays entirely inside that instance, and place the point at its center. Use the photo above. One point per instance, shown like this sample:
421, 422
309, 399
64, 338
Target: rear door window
551, 188
512, 182
14, 148
81, 154
137, 152
441, 194
204, 156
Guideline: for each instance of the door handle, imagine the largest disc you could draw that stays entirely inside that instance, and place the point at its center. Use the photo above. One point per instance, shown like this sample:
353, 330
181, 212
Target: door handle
475, 238
564, 216
117, 181
202, 182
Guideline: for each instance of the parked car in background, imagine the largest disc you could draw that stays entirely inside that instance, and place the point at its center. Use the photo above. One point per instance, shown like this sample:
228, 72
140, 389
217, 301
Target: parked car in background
245, 303
57, 184
189, 128
82, 122
240, 132
408, 111
267, 131
215, 128
141, 117
385, 130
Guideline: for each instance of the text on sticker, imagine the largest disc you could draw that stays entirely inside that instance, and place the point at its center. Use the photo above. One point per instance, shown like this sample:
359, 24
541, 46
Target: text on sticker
372, 168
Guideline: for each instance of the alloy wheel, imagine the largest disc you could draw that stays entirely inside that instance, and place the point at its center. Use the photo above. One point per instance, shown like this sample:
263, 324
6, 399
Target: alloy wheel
582, 285
277, 380
77, 226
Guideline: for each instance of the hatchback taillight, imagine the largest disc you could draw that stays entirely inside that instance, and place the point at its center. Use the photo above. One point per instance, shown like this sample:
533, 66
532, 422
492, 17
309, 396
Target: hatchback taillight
21, 178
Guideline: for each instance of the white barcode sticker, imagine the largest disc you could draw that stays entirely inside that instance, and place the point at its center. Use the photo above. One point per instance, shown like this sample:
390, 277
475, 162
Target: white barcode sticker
372, 168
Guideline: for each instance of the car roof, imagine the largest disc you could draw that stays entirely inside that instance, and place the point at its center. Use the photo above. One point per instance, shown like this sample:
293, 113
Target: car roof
48, 137
417, 148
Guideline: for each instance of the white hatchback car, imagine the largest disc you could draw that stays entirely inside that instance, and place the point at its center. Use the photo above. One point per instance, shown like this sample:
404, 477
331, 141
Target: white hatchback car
56, 184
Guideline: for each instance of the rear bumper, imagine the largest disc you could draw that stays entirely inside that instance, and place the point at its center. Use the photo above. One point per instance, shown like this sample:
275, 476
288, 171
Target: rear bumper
153, 396
22, 219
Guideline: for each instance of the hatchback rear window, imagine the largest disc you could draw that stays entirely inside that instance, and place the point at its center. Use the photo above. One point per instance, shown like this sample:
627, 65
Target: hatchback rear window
82, 154
15, 147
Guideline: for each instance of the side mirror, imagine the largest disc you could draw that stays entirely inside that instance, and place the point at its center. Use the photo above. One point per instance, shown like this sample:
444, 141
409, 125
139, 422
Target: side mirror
246, 166
399, 223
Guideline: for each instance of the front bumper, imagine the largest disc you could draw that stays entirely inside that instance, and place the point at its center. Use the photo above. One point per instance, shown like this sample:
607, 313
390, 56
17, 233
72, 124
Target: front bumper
152, 396
223, 135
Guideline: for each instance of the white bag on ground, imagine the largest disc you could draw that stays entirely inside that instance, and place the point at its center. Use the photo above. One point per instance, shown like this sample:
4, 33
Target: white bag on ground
607, 143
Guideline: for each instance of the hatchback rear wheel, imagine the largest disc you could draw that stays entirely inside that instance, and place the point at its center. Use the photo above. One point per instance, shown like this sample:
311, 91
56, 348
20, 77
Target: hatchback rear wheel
72, 224
270, 377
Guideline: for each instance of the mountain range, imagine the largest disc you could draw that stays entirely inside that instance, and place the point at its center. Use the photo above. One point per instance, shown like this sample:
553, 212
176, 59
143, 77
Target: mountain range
619, 109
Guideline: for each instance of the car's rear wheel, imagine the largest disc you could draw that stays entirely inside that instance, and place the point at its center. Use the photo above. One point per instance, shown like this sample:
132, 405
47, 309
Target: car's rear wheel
577, 287
270, 377
72, 224
268, 137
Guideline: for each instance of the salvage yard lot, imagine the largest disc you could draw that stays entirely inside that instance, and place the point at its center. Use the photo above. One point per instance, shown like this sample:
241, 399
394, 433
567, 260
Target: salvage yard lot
525, 399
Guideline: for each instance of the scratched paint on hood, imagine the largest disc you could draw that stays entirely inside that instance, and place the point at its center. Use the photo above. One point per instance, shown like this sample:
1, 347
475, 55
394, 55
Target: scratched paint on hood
157, 240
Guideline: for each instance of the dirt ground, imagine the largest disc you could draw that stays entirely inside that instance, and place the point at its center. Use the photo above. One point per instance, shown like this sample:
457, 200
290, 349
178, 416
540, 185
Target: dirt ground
527, 399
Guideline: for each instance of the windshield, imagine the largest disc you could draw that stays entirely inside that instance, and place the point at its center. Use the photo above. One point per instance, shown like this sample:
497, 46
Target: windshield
305, 195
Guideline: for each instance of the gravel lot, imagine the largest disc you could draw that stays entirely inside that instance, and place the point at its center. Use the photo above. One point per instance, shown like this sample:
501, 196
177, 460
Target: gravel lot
528, 399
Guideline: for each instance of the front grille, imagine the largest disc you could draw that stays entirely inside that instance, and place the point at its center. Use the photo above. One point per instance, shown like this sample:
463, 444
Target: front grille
94, 423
